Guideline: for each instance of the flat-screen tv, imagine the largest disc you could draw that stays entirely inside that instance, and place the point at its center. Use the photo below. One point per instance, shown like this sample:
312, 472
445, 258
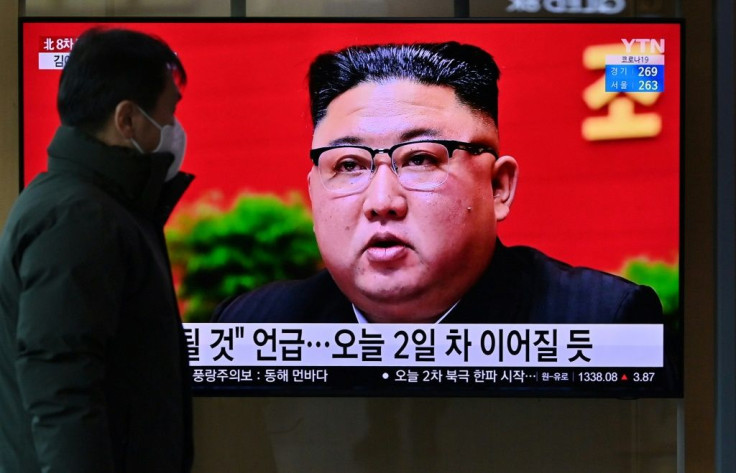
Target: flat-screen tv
276, 296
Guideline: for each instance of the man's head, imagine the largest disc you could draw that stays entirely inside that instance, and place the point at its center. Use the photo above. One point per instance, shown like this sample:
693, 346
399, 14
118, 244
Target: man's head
120, 86
405, 236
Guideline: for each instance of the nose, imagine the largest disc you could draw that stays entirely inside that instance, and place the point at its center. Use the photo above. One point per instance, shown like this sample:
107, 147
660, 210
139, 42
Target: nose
385, 197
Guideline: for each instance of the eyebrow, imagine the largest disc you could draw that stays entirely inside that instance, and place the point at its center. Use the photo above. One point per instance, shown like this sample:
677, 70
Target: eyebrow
405, 136
345, 140
417, 132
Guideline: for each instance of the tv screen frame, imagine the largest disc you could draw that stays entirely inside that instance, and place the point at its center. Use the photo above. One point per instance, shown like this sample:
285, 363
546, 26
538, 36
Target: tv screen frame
580, 174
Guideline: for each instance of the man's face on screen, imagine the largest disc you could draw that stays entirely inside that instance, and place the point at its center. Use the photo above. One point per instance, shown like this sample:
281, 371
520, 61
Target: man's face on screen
398, 253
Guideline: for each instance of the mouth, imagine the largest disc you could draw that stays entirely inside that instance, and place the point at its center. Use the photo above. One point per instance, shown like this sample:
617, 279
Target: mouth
386, 248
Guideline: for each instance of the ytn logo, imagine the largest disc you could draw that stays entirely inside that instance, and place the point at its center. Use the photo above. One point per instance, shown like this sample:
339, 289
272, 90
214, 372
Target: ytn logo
645, 45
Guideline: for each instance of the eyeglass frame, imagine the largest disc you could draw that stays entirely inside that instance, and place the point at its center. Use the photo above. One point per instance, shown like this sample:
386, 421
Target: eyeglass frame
450, 145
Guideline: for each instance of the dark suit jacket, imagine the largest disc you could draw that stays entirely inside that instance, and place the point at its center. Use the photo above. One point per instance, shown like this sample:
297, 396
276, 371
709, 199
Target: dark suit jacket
521, 285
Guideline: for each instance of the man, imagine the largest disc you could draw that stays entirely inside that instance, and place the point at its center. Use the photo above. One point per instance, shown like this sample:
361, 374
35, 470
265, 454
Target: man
93, 368
407, 189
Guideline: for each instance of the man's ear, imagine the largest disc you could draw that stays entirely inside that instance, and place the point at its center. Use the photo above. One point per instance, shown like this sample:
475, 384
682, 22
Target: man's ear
505, 177
309, 182
123, 118
118, 129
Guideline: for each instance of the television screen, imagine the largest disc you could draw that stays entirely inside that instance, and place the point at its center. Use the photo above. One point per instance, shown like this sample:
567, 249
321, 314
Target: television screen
530, 252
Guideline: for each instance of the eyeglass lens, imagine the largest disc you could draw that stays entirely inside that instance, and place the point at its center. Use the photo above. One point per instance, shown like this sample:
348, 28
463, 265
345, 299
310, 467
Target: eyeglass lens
419, 166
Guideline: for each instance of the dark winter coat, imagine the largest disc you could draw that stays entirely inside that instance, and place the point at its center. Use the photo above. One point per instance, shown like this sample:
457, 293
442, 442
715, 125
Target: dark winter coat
93, 370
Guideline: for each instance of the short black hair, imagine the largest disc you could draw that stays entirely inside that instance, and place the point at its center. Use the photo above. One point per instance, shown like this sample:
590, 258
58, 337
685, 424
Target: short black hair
468, 69
107, 66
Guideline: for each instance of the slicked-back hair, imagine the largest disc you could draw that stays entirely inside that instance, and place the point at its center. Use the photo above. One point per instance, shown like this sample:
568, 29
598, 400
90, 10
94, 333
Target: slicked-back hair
107, 66
469, 70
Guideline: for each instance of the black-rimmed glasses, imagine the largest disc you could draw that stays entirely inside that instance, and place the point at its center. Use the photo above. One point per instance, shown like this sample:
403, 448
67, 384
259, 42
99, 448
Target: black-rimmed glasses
419, 165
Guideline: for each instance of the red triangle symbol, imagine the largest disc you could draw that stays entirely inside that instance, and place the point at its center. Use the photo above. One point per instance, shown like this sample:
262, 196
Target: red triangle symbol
624, 378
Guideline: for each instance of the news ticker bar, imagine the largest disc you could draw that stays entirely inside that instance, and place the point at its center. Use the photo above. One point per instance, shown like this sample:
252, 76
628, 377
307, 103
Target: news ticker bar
375, 380
408, 346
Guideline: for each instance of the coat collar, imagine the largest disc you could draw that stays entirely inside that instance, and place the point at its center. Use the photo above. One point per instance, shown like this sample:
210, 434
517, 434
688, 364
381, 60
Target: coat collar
137, 180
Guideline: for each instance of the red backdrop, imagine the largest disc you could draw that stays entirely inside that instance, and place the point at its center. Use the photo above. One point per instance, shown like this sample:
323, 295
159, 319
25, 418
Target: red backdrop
589, 202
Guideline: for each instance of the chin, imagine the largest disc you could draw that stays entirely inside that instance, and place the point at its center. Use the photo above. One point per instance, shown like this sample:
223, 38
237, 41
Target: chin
383, 294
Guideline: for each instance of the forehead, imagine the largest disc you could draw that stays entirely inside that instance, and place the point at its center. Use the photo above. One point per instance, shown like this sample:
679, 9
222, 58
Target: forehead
398, 110
172, 89
170, 95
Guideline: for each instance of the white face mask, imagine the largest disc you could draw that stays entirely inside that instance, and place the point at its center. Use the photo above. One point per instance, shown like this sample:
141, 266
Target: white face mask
173, 139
